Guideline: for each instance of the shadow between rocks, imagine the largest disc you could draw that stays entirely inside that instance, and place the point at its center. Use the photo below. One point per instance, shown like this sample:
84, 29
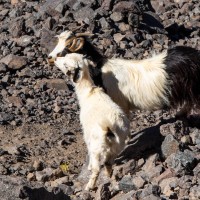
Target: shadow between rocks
144, 143
42, 194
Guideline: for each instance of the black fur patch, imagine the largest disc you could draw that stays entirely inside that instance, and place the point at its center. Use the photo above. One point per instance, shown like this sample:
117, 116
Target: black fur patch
96, 74
110, 134
183, 68
76, 75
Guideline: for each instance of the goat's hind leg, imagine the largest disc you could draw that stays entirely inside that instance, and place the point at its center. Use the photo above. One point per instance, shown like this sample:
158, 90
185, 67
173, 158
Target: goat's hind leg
108, 165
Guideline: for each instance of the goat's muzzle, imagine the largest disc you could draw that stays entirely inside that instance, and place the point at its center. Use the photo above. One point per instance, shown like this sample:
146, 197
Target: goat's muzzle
50, 60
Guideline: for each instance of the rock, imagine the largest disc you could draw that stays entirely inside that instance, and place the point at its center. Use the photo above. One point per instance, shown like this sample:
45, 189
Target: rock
59, 181
186, 139
150, 163
155, 172
153, 22
195, 192
149, 190
17, 27
27, 72
58, 84
124, 27
133, 20
125, 6
181, 162
138, 182
24, 40
116, 16
31, 177
107, 5
126, 184
118, 37
104, 23
47, 41
165, 185
129, 167
44, 175
13, 2
16, 101
14, 62
170, 145
195, 136
85, 14
6, 117
168, 173
2, 67
38, 165
5, 80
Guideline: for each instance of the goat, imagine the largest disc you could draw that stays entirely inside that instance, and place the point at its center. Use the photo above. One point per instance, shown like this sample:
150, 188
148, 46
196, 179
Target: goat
105, 125
166, 80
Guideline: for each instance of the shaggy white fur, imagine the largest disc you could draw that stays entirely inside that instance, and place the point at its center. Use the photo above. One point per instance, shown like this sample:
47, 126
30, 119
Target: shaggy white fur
136, 84
105, 125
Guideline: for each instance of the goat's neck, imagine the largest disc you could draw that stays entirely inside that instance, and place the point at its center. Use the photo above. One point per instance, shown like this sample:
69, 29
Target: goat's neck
84, 86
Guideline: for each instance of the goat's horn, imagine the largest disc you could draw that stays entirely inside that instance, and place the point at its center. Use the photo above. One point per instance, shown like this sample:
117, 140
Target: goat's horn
83, 34
75, 46
69, 41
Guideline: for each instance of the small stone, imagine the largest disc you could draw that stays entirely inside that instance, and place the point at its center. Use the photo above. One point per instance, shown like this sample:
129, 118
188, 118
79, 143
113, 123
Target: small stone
104, 23
168, 173
165, 185
44, 175
118, 37
170, 145
126, 184
116, 16
149, 189
150, 163
124, 27
38, 165
31, 177
59, 181
5, 79
129, 167
181, 162
14, 62
24, 40
16, 101
195, 192
13, 2
186, 139
2, 67
58, 84
138, 182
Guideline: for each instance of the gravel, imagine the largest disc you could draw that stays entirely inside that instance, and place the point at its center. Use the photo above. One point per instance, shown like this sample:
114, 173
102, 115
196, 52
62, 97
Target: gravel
39, 127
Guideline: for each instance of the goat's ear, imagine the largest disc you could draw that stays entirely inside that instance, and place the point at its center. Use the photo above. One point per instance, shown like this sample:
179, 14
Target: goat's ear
77, 74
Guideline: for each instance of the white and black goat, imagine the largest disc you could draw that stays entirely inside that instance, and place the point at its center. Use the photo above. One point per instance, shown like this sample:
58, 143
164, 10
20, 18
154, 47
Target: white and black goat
105, 125
165, 80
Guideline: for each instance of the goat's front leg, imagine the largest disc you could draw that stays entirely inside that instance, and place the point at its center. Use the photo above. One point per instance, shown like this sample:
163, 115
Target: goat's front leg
95, 168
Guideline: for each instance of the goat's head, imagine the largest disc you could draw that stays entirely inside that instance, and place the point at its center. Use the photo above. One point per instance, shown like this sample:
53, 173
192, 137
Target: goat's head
72, 42
71, 62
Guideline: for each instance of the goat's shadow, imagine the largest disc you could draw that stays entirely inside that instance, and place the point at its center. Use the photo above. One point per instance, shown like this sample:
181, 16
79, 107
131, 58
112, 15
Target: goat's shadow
42, 194
149, 140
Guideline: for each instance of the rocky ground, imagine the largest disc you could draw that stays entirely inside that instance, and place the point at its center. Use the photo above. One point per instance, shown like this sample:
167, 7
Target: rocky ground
42, 153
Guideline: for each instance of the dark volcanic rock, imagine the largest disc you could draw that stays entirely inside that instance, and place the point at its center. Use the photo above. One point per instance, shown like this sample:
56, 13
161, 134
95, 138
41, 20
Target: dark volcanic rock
181, 162
170, 145
14, 62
